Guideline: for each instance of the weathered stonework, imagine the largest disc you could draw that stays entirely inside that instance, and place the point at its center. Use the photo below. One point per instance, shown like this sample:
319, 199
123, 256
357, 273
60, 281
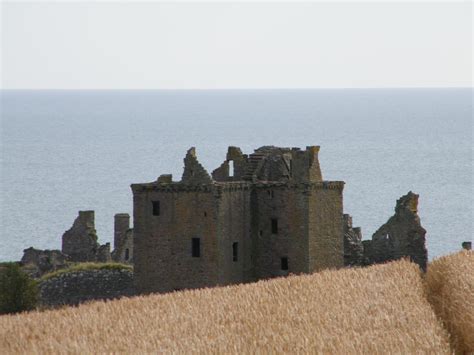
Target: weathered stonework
72, 288
402, 236
261, 215
123, 239
103, 254
80, 241
353, 249
38, 262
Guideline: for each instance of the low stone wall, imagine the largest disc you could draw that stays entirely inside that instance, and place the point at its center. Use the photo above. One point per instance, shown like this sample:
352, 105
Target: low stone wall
72, 288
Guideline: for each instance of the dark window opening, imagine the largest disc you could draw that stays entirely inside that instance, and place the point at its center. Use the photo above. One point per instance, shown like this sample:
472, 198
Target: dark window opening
205, 214
272, 194
274, 226
284, 263
156, 208
260, 233
235, 251
196, 247
127, 254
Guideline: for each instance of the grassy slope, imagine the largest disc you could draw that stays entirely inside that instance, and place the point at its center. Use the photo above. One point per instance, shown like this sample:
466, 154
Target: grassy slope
87, 266
450, 288
377, 309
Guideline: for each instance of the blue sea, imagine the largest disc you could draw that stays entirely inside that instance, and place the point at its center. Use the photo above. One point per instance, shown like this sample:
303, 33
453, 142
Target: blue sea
65, 151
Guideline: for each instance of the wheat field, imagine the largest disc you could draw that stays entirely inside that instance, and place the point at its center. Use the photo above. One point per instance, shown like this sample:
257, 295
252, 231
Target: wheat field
450, 288
379, 309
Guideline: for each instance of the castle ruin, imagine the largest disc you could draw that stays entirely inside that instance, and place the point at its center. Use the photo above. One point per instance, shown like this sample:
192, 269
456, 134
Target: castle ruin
257, 216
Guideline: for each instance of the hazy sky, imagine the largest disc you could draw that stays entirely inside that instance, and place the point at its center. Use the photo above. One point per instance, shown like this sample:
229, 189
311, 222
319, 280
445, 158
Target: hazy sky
236, 45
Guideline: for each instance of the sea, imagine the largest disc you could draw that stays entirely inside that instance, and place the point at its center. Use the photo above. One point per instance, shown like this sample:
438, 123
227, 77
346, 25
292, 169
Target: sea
65, 151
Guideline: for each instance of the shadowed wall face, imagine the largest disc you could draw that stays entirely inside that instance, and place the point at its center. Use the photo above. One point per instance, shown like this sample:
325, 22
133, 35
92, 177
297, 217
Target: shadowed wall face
164, 246
279, 231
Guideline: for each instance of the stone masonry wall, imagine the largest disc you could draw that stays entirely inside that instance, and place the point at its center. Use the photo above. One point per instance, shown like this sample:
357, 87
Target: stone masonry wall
163, 244
401, 236
123, 239
80, 241
76, 287
233, 226
287, 207
326, 245
38, 262
353, 249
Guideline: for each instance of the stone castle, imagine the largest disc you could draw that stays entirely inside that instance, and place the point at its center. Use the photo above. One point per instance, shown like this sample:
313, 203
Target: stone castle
257, 216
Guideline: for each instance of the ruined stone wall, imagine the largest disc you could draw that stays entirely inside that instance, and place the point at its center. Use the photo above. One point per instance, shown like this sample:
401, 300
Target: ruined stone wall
233, 226
194, 172
401, 236
163, 244
38, 262
123, 239
121, 226
72, 288
287, 206
305, 165
80, 241
353, 249
239, 161
326, 246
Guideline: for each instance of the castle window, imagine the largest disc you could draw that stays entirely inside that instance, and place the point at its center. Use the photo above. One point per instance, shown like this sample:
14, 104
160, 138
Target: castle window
235, 251
205, 214
127, 254
260, 233
156, 208
196, 247
272, 194
284, 263
231, 168
274, 226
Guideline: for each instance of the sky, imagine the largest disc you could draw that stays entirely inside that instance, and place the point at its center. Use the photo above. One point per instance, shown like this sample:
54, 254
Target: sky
145, 45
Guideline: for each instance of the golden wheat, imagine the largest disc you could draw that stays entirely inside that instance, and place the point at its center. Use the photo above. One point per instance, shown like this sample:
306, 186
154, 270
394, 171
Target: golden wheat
450, 288
380, 309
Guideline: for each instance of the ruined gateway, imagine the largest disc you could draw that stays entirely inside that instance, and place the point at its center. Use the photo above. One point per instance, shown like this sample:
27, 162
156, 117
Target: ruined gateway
261, 215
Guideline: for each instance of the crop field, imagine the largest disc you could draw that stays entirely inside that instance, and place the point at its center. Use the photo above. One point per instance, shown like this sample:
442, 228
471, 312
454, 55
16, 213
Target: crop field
450, 288
379, 309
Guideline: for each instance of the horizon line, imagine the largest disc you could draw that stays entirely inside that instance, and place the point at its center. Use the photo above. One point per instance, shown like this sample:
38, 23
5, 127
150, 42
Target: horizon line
239, 89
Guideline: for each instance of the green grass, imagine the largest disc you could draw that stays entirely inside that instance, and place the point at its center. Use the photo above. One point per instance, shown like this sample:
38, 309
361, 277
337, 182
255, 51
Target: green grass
85, 267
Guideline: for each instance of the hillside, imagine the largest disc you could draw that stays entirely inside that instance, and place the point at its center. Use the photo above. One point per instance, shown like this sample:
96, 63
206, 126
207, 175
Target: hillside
375, 309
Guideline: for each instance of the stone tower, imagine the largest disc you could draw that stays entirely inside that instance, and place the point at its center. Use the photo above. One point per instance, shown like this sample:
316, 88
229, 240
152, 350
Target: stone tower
123, 239
256, 216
